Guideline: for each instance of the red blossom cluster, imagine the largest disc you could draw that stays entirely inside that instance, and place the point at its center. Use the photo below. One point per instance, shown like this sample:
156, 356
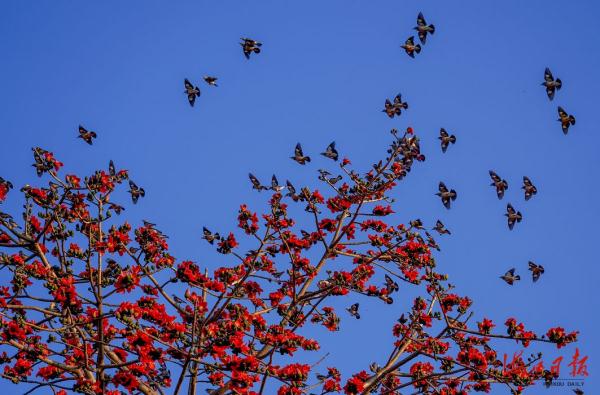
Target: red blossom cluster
95, 305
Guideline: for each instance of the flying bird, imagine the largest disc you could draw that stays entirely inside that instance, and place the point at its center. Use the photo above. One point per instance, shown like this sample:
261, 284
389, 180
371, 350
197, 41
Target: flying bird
446, 195
510, 277
191, 91
255, 183
275, 184
353, 310
446, 139
529, 188
395, 108
291, 191
390, 284
135, 191
423, 28
212, 81
512, 216
87, 136
410, 47
440, 228
565, 120
250, 46
500, 184
299, 155
551, 84
209, 236
536, 271
331, 152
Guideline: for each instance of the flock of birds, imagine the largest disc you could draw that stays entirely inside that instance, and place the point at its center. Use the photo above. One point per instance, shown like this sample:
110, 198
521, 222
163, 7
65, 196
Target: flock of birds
249, 46
392, 108
422, 29
447, 195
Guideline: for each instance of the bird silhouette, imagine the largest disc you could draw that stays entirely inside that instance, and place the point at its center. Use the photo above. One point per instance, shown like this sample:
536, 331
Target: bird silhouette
331, 152
551, 84
87, 136
565, 120
510, 277
423, 28
446, 195
191, 91
446, 139
500, 184
410, 48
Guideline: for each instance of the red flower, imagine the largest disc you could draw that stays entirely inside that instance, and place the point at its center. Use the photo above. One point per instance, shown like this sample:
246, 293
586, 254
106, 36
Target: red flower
127, 380
128, 280
226, 245
356, 384
66, 294
49, 373
3, 192
485, 326
382, 210
560, 337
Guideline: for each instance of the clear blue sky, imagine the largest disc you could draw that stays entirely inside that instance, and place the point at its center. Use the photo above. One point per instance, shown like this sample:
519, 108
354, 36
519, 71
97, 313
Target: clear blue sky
118, 67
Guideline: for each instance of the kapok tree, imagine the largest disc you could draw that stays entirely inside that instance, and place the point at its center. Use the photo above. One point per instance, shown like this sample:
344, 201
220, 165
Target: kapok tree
89, 303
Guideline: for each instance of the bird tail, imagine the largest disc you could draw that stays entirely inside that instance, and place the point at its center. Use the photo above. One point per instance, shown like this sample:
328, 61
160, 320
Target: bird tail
572, 120
517, 277
559, 83
454, 194
405, 105
432, 28
519, 216
418, 48
308, 158
453, 139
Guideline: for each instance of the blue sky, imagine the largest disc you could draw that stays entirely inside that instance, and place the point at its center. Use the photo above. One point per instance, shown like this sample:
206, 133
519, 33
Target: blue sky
325, 70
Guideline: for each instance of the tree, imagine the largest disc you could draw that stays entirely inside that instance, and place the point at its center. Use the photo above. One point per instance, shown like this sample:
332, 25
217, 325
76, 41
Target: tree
92, 303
